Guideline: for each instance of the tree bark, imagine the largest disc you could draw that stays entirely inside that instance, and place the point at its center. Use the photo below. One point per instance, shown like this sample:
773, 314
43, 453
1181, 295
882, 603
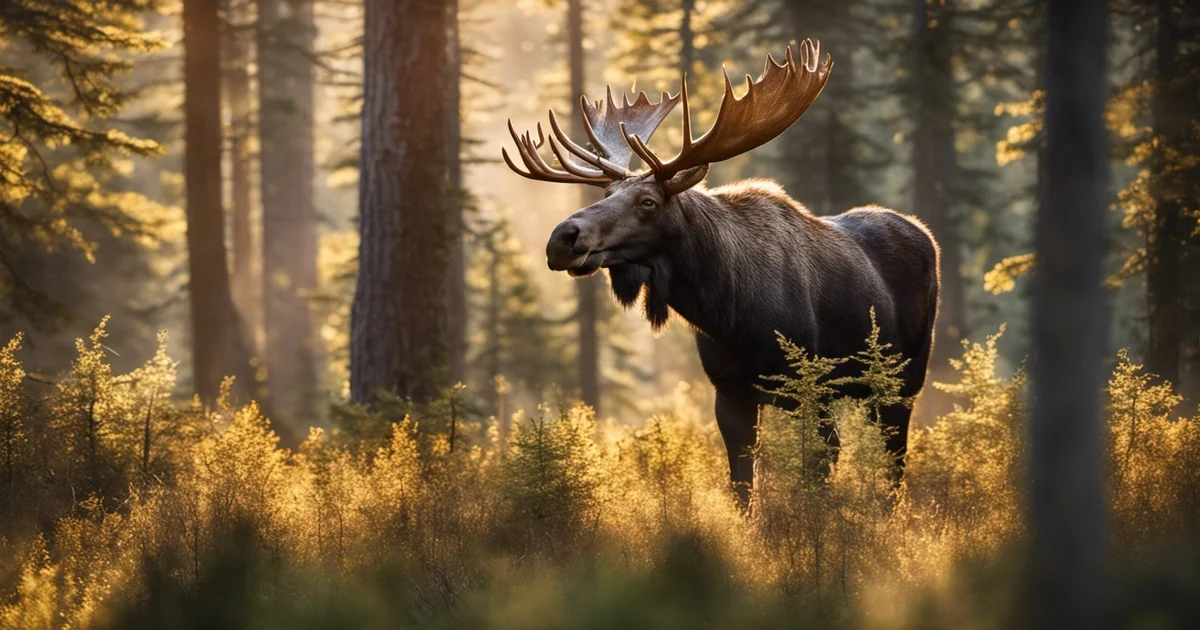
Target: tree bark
687, 36
1070, 328
398, 326
935, 167
456, 284
289, 230
1166, 238
843, 184
587, 289
236, 87
217, 346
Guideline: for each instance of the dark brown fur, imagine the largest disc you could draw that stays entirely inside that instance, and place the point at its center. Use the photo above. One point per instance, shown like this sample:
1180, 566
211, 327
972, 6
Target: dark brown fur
741, 262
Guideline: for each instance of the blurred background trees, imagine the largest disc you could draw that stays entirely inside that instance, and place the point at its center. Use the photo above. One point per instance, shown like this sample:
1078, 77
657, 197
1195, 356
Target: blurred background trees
218, 342
939, 115
305, 194
286, 33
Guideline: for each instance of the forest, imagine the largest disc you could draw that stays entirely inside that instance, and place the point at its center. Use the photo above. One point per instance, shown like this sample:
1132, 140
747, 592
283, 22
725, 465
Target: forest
279, 347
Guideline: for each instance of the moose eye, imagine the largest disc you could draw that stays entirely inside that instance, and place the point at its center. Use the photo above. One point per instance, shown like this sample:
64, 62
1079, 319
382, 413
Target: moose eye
649, 203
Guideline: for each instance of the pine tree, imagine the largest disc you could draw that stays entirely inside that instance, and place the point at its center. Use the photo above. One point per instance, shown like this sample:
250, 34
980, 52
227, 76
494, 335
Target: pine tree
1070, 328
456, 282
235, 85
882, 373
935, 166
512, 335
62, 156
587, 289
289, 232
218, 347
834, 159
13, 410
1153, 117
398, 329
1161, 202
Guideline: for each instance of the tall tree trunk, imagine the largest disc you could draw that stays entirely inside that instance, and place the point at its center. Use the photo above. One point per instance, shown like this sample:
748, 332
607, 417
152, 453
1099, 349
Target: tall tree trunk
1185, 87
285, 87
843, 184
236, 87
588, 289
1070, 327
217, 346
823, 159
491, 323
687, 37
398, 327
456, 283
1168, 231
935, 167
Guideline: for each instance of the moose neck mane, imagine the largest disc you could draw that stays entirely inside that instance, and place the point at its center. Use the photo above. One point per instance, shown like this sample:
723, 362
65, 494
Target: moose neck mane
728, 241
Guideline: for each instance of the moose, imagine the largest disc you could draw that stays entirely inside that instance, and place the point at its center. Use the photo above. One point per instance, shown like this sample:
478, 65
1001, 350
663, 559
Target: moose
744, 262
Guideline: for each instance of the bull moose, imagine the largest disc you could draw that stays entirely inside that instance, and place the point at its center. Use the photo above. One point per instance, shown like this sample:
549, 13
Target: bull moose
743, 261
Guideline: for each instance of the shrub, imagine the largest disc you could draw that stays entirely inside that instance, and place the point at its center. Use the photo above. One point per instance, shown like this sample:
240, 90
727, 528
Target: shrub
183, 516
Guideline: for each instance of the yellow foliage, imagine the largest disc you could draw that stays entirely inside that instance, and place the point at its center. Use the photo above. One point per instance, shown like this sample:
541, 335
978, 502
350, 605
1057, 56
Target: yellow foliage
829, 528
1003, 277
965, 466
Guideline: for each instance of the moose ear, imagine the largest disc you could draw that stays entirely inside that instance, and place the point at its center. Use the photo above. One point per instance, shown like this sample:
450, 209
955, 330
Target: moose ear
685, 179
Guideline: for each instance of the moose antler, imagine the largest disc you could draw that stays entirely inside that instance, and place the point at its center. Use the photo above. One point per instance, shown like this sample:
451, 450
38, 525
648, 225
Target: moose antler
606, 124
771, 104
540, 170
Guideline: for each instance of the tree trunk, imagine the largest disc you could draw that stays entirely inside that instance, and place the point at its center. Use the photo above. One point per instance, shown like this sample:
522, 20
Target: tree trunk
935, 167
285, 86
398, 327
491, 322
687, 44
1165, 240
843, 185
236, 86
1070, 328
217, 347
588, 289
456, 284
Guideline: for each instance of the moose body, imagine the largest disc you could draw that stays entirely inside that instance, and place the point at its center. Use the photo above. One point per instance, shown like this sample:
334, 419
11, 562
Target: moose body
743, 262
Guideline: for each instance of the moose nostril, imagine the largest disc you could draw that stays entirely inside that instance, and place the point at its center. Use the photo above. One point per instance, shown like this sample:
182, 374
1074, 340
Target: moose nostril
567, 234
560, 249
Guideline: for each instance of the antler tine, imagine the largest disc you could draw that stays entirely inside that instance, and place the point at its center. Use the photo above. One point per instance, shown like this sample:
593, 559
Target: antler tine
545, 169
771, 104
604, 123
570, 165
538, 168
639, 147
513, 167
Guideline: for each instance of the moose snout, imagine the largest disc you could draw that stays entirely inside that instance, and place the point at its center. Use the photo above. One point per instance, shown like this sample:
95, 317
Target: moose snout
563, 251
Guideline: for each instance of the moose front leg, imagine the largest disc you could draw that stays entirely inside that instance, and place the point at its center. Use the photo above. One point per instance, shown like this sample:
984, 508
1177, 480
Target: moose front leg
737, 418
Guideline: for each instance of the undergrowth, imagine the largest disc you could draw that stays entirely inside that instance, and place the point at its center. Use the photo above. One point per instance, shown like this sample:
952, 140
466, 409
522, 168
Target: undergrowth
124, 506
